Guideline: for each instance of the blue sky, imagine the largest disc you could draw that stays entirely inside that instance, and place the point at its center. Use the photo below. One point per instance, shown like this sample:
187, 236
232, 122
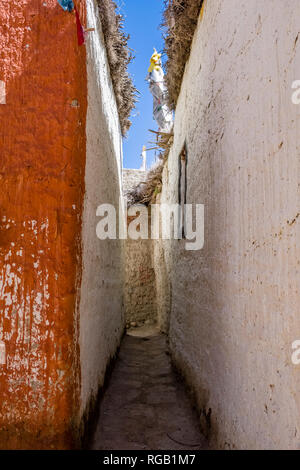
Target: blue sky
142, 20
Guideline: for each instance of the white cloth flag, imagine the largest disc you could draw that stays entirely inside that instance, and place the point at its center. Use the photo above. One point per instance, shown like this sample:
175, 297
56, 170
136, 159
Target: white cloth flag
161, 112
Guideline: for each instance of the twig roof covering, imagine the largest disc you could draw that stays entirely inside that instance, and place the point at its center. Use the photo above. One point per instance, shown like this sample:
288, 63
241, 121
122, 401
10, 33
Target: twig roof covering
119, 57
146, 191
180, 20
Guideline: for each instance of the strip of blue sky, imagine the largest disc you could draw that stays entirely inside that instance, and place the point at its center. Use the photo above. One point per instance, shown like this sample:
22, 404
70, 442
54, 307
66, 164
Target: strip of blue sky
142, 20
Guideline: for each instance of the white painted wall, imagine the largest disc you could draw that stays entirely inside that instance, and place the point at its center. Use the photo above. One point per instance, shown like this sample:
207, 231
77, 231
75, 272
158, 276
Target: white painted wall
235, 304
101, 310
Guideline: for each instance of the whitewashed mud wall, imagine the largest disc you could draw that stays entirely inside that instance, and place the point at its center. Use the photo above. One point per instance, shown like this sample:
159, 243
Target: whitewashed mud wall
235, 304
140, 283
101, 309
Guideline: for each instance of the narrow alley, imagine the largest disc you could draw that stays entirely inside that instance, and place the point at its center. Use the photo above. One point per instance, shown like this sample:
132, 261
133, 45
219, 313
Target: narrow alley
146, 405
149, 225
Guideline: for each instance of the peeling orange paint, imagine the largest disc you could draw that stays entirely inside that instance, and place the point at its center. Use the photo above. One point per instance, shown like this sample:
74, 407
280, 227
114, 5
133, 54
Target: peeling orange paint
42, 148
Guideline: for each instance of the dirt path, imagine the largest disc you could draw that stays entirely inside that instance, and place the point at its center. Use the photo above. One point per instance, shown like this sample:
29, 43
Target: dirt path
145, 405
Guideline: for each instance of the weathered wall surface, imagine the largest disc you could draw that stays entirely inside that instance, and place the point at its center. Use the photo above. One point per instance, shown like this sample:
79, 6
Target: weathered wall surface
140, 286
46, 135
42, 142
162, 263
101, 311
132, 178
140, 282
234, 306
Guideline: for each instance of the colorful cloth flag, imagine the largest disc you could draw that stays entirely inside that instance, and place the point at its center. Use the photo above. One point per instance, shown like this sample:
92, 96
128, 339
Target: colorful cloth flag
80, 32
67, 5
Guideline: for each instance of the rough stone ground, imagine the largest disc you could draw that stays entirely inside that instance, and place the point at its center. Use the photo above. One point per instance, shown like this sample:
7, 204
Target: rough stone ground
145, 406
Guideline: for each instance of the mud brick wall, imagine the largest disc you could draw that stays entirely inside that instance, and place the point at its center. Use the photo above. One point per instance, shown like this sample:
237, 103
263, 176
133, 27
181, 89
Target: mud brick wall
140, 288
234, 306
45, 143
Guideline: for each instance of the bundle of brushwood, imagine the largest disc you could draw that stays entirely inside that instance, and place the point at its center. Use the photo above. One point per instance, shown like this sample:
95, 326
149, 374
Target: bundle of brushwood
119, 57
164, 141
180, 21
146, 191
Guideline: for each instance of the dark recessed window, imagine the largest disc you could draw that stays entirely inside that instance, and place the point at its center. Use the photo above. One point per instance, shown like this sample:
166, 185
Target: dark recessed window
182, 187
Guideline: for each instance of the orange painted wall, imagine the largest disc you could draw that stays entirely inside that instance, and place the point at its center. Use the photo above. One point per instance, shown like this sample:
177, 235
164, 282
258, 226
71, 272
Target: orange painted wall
42, 164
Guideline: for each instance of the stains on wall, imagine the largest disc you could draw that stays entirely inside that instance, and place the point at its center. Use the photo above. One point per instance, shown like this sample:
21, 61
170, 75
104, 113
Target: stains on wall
234, 305
42, 146
140, 284
101, 295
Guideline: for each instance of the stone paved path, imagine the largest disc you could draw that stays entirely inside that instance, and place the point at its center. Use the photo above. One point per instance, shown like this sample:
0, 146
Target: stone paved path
145, 405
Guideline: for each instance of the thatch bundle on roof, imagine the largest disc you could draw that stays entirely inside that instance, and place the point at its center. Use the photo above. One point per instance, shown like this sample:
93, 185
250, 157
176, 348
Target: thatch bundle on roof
146, 191
180, 20
119, 57
163, 142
